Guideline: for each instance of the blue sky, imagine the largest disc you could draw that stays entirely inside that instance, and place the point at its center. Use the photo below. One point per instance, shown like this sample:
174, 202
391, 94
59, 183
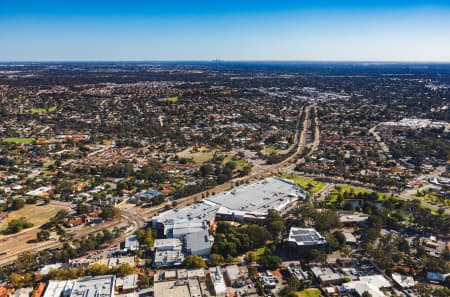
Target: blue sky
365, 30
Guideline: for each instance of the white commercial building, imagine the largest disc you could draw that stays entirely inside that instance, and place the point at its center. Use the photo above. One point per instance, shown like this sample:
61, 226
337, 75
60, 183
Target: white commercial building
371, 284
59, 288
98, 286
252, 202
220, 288
403, 281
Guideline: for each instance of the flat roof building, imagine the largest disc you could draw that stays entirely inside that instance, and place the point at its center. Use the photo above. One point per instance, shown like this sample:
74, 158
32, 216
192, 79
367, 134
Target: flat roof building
168, 252
148, 195
180, 221
403, 281
244, 203
59, 288
302, 240
168, 244
326, 275
232, 273
131, 243
117, 261
199, 243
194, 287
297, 272
305, 237
360, 287
348, 217
98, 286
171, 289
46, 269
220, 288
127, 283
168, 258
251, 202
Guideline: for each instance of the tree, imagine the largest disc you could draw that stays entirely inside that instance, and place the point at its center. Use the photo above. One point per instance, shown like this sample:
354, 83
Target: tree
447, 282
293, 285
43, 235
145, 237
98, 269
110, 212
17, 225
332, 242
326, 220
366, 294
193, 261
26, 262
318, 256
61, 215
251, 257
17, 204
15, 279
216, 259
144, 281
275, 224
340, 237
124, 269
269, 261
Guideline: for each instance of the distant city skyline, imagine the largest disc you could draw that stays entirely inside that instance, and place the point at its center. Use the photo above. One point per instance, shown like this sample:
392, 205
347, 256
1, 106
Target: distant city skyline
397, 30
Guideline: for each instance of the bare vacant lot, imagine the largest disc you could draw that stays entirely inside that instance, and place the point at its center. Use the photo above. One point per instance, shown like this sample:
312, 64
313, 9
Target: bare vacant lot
37, 214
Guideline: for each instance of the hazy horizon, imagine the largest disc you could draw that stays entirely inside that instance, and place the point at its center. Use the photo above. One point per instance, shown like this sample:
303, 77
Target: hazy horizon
299, 31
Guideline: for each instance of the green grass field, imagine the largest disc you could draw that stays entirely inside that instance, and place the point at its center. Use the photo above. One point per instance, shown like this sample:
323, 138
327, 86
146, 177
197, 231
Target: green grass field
25, 140
239, 162
259, 252
309, 184
345, 188
433, 198
311, 292
172, 99
271, 150
41, 110
356, 190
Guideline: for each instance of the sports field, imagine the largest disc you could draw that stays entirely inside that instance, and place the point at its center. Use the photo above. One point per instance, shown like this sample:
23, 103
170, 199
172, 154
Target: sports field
25, 140
172, 99
41, 110
199, 155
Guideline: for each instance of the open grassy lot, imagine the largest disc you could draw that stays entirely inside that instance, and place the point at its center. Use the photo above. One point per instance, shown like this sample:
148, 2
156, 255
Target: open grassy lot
271, 150
25, 140
172, 99
433, 198
259, 252
311, 292
356, 190
340, 189
37, 214
345, 188
41, 110
239, 162
309, 184
199, 156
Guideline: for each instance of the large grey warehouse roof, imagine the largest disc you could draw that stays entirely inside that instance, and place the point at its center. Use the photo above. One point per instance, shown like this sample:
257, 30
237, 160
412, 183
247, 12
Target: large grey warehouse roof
259, 197
246, 201
197, 211
98, 286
